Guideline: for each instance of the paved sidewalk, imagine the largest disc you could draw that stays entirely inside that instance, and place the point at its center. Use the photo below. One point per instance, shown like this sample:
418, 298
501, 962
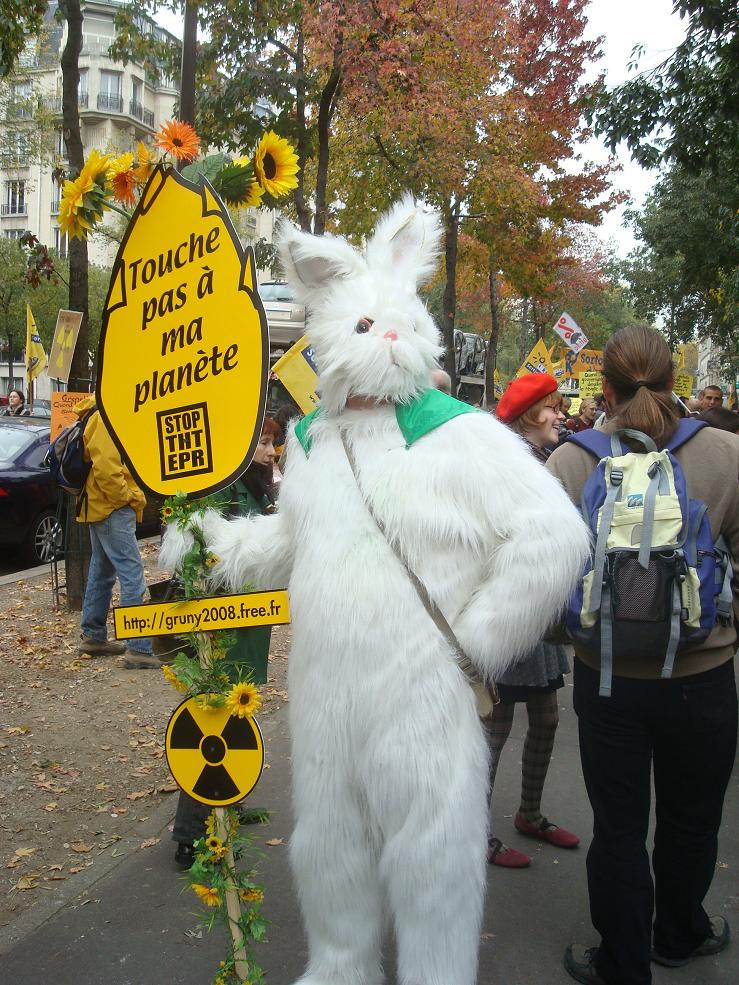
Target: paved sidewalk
134, 926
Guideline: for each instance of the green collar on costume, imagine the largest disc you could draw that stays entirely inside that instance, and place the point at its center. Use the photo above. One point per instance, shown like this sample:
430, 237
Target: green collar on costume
426, 413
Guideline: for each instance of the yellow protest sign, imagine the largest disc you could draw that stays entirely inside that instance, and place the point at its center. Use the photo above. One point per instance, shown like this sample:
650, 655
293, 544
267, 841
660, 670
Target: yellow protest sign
63, 344
683, 385
537, 361
36, 360
202, 615
590, 384
184, 347
584, 361
574, 406
214, 756
297, 372
498, 385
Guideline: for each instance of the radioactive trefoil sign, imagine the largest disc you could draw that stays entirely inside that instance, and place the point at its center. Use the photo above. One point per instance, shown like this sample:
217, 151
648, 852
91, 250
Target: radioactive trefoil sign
184, 359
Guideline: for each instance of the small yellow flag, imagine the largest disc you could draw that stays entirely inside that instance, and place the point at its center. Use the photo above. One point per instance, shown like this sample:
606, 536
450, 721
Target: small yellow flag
297, 372
537, 361
35, 356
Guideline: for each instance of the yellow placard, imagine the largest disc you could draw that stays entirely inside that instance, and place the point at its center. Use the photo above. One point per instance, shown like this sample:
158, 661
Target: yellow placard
201, 615
214, 756
184, 348
297, 372
584, 361
498, 385
574, 406
537, 361
62, 410
36, 360
590, 384
63, 344
683, 385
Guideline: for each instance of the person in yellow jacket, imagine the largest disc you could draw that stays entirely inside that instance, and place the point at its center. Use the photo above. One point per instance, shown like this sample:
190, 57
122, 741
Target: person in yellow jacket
111, 504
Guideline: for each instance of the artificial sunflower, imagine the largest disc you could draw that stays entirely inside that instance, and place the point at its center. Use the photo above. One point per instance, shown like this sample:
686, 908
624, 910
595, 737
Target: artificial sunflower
171, 678
251, 895
167, 513
246, 193
122, 177
215, 846
210, 825
211, 560
145, 161
276, 165
95, 165
84, 200
243, 700
178, 139
207, 894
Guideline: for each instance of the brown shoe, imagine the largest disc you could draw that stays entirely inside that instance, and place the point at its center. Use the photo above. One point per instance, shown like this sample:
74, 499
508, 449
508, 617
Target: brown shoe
136, 660
101, 648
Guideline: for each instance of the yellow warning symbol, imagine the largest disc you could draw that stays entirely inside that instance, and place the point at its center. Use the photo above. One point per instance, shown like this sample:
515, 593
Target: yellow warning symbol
214, 756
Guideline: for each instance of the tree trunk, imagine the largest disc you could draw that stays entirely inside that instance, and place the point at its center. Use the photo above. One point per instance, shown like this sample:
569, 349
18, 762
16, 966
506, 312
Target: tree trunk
78, 537
451, 242
326, 109
187, 69
301, 206
523, 335
78, 292
491, 356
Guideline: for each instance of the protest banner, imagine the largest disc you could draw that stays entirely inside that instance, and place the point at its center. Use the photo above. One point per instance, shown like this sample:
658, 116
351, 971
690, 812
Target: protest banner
62, 411
297, 372
537, 361
35, 355
186, 412
63, 344
574, 406
570, 332
590, 384
498, 385
586, 360
683, 385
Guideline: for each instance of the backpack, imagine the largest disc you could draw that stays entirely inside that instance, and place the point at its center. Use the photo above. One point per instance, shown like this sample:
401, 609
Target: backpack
66, 457
655, 580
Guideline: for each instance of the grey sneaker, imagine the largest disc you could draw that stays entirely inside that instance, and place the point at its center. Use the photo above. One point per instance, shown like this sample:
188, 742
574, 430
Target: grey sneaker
716, 942
101, 648
136, 660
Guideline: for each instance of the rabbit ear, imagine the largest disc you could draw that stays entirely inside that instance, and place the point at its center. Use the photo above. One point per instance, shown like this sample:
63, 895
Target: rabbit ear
312, 263
406, 242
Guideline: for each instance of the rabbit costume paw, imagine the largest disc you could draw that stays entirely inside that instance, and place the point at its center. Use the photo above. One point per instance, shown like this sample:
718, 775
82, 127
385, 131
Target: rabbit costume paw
389, 760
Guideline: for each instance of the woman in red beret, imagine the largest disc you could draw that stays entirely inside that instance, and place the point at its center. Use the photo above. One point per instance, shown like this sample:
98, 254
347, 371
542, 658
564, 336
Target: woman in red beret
530, 406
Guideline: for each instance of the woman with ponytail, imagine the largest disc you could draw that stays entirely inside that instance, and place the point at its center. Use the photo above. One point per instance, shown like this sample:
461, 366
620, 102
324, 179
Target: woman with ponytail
684, 728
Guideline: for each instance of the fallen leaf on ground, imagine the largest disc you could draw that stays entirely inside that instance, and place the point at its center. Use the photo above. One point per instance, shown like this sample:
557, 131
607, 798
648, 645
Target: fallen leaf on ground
138, 794
81, 846
274, 841
150, 842
25, 852
26, 882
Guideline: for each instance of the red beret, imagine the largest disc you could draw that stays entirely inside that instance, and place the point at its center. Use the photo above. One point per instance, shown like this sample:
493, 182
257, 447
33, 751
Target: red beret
523, 393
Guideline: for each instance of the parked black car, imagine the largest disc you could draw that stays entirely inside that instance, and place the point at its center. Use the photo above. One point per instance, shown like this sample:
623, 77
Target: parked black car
28, 494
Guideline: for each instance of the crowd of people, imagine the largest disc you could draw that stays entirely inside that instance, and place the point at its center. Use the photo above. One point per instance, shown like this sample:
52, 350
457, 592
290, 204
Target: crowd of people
684, 728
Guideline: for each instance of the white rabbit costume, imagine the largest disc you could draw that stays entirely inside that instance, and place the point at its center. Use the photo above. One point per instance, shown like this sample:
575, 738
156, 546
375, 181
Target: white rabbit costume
389, 760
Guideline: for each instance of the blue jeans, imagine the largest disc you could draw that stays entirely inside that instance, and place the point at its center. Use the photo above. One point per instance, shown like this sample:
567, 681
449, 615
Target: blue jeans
115, 553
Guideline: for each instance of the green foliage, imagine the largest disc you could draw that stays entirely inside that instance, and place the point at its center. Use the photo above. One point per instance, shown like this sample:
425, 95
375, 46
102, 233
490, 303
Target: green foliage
19, 19
685, 270
686, 109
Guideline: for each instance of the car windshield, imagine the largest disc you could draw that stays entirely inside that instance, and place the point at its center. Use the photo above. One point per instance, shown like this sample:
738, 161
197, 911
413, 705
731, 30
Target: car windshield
12, 442
275, 292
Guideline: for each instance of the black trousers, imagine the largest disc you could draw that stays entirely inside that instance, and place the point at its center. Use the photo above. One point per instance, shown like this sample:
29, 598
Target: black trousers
686, 729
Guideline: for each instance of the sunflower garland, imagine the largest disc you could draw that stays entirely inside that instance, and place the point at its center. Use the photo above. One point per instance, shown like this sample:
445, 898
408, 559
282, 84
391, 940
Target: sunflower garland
115, 182
213, 877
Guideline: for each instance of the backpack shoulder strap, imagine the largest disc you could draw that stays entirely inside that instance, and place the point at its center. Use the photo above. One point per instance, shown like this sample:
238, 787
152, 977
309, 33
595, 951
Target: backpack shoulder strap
684, 431
598, 443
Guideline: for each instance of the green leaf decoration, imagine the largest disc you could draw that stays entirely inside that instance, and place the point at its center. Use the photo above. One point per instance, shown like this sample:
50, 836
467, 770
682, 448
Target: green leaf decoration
209, 167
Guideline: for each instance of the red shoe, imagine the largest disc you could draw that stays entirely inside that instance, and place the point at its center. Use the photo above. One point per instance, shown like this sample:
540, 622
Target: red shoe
546, 831
508, 858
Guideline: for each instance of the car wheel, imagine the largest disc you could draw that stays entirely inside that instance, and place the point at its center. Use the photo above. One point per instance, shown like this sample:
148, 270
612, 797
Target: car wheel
44, 539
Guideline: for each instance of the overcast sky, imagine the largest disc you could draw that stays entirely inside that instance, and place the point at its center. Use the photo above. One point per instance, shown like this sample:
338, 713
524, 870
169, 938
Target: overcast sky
622, 24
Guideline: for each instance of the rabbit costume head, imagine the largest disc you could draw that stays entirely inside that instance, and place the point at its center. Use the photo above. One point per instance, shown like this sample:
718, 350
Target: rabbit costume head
371, 333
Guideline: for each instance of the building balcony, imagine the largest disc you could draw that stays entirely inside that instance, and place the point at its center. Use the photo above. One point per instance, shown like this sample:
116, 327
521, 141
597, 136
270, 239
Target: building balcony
54, 103
20, 110
110, 102
148, 119
136, 109
13, 208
